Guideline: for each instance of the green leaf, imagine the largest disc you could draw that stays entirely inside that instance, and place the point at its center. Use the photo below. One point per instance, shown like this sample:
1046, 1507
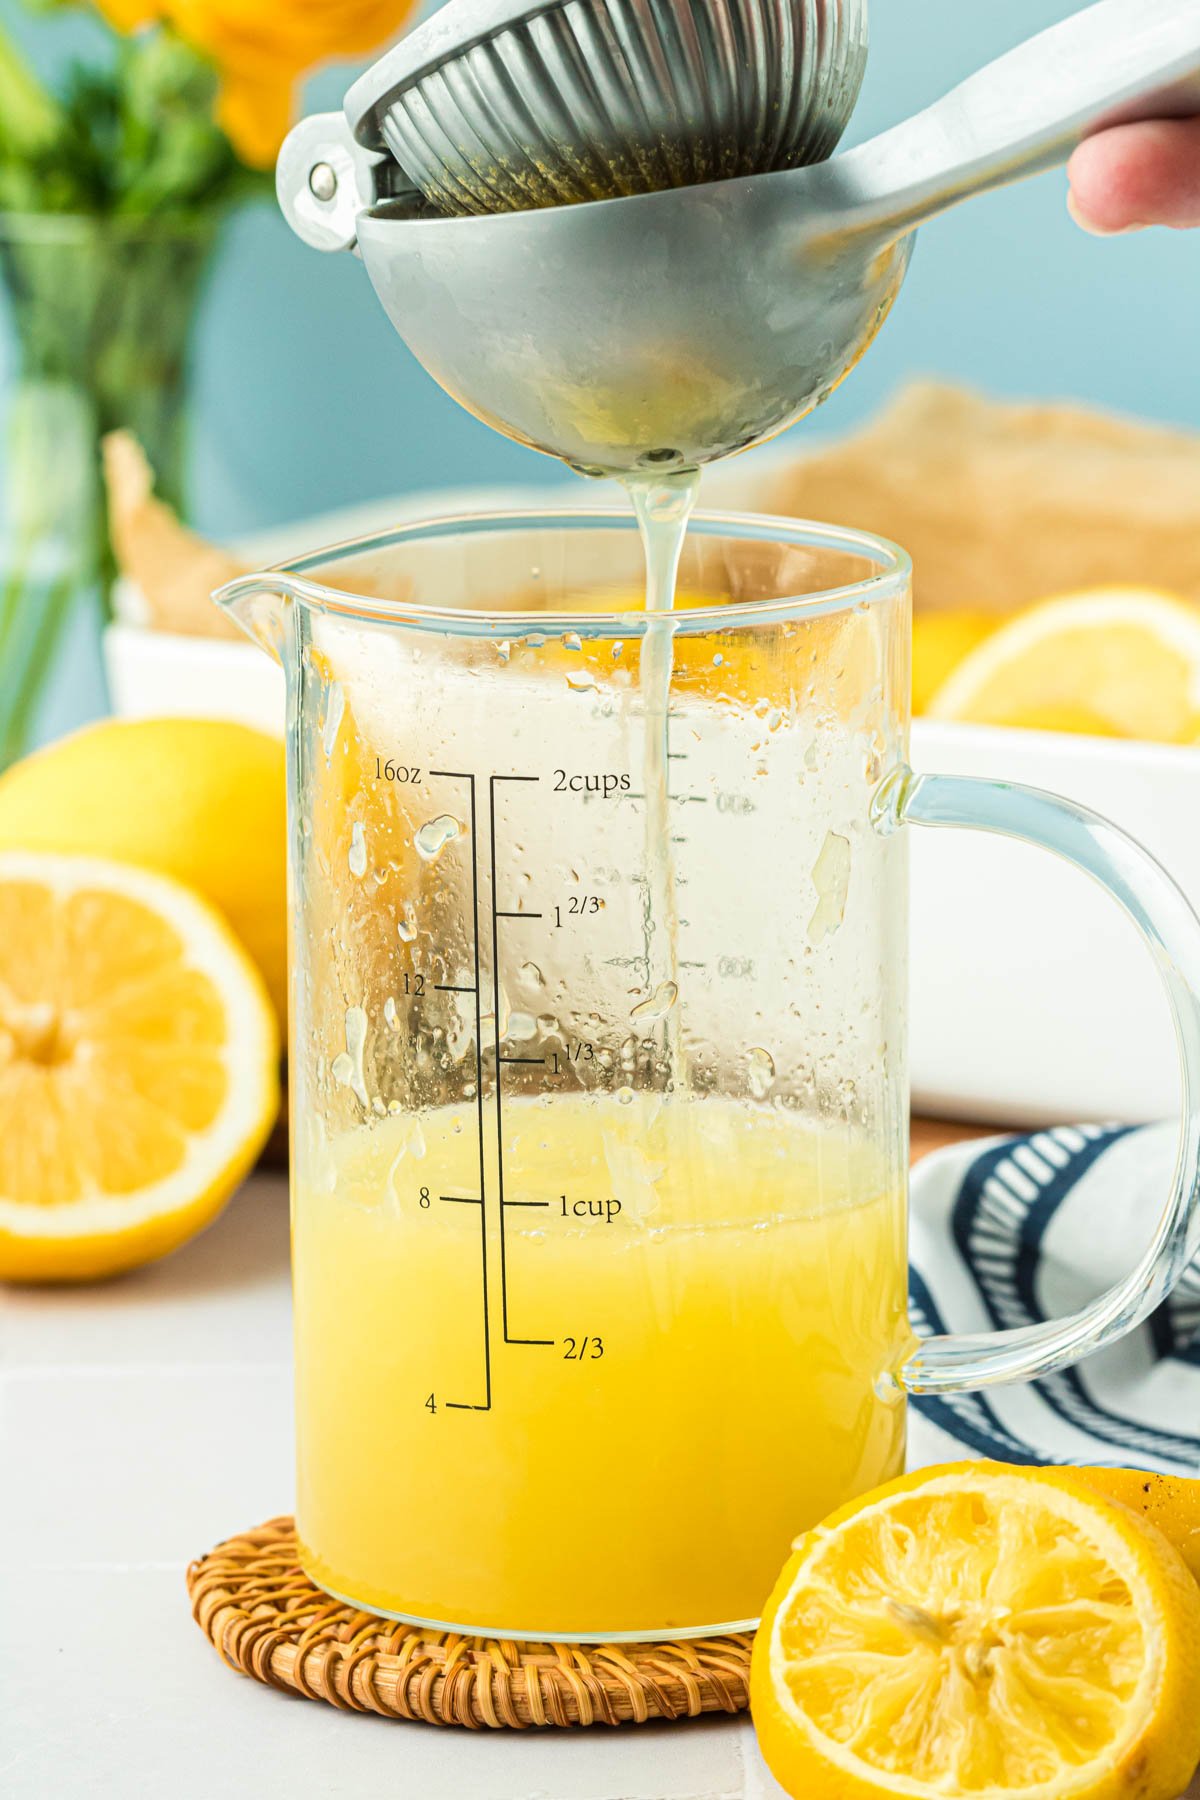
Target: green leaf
133, 137
29, 117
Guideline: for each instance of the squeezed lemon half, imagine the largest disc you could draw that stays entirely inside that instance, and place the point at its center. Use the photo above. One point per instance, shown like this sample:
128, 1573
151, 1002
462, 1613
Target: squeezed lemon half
985, 1631
138, 1065
1172, 1502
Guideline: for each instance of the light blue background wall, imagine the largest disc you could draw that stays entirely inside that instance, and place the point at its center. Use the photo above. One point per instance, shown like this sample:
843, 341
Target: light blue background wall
305, 399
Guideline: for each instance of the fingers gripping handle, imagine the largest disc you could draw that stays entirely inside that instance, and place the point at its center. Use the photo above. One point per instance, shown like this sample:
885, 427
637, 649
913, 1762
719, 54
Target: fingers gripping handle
1171, 931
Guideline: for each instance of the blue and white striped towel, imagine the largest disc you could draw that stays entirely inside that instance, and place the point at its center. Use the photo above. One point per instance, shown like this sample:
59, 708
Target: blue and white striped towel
1017, 1230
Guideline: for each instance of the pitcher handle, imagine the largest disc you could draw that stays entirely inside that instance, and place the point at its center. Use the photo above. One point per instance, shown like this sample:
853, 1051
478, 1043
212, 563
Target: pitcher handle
1171, 931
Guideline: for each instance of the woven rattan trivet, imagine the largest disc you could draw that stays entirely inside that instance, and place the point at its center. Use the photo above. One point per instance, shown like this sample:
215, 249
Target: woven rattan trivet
266, 1618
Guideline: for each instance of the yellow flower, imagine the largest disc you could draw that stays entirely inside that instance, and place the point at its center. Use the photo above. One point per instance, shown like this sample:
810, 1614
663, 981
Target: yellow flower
261, 49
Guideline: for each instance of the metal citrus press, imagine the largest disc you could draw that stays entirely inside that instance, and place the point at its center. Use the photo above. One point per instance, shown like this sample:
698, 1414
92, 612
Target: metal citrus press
613, 229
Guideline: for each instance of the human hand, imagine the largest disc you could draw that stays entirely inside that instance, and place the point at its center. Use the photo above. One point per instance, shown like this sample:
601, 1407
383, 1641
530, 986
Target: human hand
1136, 175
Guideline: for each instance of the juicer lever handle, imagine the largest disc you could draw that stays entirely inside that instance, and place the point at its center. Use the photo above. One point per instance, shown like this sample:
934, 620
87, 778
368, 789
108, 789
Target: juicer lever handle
1171, 932
1114, 62
324, 180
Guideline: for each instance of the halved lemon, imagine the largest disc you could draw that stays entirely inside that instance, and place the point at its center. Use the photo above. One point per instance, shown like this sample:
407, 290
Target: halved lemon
1112, 662
981, 1631
138, 1065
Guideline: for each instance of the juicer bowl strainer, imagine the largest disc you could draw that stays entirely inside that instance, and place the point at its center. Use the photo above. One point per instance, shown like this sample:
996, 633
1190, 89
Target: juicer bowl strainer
500, 105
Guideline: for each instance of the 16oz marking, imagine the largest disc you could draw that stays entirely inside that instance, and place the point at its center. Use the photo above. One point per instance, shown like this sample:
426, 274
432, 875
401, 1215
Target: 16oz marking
386, 770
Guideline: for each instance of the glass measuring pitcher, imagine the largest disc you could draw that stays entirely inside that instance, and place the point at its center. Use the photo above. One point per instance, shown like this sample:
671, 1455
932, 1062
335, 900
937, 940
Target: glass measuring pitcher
599, 1108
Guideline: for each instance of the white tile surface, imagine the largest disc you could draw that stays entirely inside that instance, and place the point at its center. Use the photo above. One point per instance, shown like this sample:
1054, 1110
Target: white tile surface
139, 1705
142, 1421
223, 1299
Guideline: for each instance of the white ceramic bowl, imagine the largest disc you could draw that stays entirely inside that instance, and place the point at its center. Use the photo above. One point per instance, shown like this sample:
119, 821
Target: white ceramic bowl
1032, 999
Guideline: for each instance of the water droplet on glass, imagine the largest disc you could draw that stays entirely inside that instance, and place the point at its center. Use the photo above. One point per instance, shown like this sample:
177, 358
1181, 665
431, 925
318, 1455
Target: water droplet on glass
581, 681
532, 975
521, 1027
831, 878
490, 1025
434, 835
624, 1096
504, 650
760, 1072
718, 660
774, 719
811, 756
358, 852
618, 651
572, 641
389, 1011
657, 1005
347, 1066
406, 929
546, 1023
335, 707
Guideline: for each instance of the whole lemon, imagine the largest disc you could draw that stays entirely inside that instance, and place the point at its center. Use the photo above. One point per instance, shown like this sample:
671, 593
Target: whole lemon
202, 800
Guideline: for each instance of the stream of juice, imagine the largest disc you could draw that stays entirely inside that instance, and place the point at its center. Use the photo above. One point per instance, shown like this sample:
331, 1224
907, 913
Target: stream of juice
663, 506
719, 1299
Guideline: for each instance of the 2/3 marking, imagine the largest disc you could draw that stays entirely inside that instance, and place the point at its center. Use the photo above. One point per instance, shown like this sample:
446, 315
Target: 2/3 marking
584, 1349
578, 904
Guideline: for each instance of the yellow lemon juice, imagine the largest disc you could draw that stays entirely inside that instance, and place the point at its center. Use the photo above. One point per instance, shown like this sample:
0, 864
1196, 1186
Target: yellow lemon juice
606, 1404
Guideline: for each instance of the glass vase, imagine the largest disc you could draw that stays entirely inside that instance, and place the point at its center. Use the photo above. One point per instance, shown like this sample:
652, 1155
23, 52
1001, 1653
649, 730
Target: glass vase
95, 317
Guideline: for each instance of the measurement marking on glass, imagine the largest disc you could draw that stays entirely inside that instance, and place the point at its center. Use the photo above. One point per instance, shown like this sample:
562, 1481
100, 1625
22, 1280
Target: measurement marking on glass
484, 1405
499, 913
448, 987
539, 1060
